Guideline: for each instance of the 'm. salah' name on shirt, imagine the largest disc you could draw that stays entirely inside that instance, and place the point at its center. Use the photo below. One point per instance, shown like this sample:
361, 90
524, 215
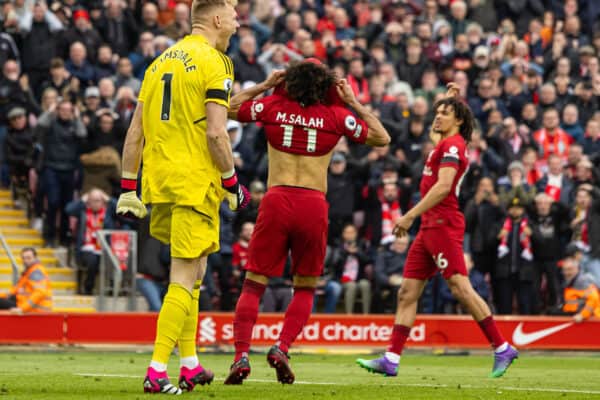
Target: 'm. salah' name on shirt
180, 55
300, 120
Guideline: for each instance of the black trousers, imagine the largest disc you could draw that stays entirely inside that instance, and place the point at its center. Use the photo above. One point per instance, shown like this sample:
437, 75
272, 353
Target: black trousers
506, 288
550, 270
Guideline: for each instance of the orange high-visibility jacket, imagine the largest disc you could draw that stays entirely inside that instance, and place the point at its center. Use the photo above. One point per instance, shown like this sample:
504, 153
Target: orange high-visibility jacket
581, 295
33, 291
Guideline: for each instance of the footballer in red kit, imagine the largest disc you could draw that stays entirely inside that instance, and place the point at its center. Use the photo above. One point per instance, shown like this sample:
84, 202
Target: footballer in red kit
303, 120
443, 220
438, 245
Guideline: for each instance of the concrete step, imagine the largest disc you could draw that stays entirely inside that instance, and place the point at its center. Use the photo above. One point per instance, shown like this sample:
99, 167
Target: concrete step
14, 221
55, 274
61, 287
11, 213
6, 202
24, 242
48, 261
5, 194
20, 232
41, 251
73, 303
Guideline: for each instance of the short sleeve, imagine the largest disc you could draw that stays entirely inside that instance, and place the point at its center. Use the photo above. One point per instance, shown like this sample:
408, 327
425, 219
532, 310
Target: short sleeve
219, 79
254, 110
352, 127
451, 154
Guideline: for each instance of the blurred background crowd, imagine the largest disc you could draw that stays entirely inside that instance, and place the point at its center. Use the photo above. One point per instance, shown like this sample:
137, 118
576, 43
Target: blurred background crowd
529, 70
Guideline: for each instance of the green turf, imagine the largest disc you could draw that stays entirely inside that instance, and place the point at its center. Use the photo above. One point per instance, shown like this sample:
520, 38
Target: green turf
52, 375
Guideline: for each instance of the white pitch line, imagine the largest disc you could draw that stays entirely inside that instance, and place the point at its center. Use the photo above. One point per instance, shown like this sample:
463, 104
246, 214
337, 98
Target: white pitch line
424, 385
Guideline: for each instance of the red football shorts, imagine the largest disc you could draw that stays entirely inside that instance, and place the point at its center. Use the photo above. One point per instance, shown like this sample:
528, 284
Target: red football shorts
433, 250
290, 219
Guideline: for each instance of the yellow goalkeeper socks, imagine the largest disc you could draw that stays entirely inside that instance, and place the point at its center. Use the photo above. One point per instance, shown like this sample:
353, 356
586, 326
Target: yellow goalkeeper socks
187, 339
173, 313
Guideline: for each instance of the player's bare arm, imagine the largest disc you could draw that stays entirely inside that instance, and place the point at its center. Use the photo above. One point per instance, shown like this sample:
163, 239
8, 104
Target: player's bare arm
236, 101
436, 194
217, 137
128, 202
377, 134
134, 144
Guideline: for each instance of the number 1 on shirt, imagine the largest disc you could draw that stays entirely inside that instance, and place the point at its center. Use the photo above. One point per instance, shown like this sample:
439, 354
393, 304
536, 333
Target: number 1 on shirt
165, 113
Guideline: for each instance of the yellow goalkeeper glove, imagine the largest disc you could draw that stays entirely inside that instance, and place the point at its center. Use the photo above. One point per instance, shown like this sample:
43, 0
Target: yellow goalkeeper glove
130, 204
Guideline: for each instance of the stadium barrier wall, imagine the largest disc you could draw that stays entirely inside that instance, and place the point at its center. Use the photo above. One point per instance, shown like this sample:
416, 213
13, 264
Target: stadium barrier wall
327, 330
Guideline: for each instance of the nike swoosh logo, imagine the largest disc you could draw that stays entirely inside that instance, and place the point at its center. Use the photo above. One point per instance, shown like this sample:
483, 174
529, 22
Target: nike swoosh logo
521, 338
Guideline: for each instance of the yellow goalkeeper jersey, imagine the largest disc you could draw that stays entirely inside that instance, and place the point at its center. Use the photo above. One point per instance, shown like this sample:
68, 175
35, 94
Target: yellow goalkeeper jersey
177, 166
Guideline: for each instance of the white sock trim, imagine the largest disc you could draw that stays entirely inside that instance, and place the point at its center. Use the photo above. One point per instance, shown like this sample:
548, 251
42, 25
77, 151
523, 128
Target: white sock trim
190, 362
392, 357
502, 347
157, 366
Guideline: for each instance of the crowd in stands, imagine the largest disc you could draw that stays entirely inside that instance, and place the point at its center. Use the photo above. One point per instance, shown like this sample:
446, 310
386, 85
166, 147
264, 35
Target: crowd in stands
529, 70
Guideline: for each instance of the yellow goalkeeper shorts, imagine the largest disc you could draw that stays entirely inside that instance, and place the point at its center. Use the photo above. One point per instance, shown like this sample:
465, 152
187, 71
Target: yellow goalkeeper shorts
192, 231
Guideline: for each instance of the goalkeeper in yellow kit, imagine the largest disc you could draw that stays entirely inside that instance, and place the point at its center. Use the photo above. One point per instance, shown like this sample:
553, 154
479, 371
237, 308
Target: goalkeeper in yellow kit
179, 126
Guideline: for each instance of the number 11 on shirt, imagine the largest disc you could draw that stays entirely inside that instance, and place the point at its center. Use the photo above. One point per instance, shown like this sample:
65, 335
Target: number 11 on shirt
288, 132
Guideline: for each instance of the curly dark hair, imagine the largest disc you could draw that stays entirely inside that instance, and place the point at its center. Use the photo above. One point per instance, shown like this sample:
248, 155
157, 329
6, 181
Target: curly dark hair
308, 83
462, 112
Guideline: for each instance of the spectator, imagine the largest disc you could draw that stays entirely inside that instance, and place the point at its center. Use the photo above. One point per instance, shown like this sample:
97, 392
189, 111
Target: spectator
181, 25
95, 211
585, 224
274, 58
118, 27
124, 76
60, 78
150, 19
246, 65
82, 31
351, 265
79, 67
141, 58
60, 132
389, 265
39, 41
514, 271
556, 183
19, 148
570, 123
551, 139
341, 195
591, 140
411, 68
580, 294
32, 292
514, 184
549, 226
485, 102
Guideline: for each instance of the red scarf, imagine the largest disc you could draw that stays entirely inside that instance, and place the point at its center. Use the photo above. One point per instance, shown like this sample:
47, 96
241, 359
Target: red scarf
581, 233
524, 239
93, 223
360, 89
557, 144
390, 213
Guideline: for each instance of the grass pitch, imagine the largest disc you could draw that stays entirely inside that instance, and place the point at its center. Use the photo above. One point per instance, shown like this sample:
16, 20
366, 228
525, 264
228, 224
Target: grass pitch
118, 375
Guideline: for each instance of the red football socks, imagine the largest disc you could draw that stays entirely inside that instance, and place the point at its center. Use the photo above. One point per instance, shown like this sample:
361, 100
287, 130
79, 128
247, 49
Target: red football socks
400, 335
246, 312
491, 332
296, 316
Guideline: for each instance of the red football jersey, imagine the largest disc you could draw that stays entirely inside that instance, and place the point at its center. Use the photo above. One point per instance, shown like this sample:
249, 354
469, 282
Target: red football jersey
307, 131
450, 152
